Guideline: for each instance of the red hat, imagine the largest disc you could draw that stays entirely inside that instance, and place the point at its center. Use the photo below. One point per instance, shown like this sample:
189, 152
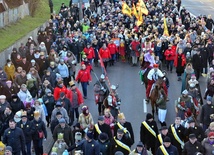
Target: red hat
155, 65
211, 134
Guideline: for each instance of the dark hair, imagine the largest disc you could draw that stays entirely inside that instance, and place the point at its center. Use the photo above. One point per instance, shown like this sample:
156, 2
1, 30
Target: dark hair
12, 120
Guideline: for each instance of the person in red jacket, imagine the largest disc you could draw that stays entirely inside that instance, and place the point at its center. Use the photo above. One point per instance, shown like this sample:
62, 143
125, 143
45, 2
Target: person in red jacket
84, 77
179, 63
113, 50
89, 52
170, 57
58, 89
135, 46
105, 55
76, 99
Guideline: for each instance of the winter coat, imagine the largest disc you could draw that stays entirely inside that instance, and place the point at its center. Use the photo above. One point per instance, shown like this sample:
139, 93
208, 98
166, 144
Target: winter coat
206, 111
83, 123
105, 54
191, 149
105, 128
62, 111
24, 96
14, 138
28, 130
89, 52
112, 48
83, 76
172, 150
104, 147
90, 148
39, 126
170, 54
19, 80
102, 94
50, 78
17, 105
49, 103
10, 70
58, 90
63, 70
67, 133
42, 112
79, 96
115, 147
65, 103
197, 130
197, 62
135, 46
179, 63
208, 147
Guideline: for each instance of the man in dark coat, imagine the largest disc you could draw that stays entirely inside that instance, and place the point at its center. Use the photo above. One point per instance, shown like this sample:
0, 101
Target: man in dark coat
101, 127
164, 133
16, 104
55, 122
43, 64
210, 48
205, 57
167, 148
177, 131
65, 129
195, 129
65, 102
14, 137
196, 62
206, 111
192, 146
28, 130
149, 132
121, 142
125, 126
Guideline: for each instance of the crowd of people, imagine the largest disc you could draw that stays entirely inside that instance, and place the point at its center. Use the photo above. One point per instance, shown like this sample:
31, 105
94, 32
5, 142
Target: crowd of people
38, 84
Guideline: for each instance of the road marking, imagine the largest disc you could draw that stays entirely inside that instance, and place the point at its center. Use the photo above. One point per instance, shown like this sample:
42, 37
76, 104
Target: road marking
144, 106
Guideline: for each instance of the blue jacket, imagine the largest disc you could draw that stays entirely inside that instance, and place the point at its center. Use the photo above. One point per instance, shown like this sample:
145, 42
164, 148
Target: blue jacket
63, 70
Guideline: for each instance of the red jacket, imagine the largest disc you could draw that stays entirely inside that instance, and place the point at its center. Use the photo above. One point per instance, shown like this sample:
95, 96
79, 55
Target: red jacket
135, 45
58, 90
113, 48
89, 52
105, 53
79, 96
183, 60
83, 76
170, 54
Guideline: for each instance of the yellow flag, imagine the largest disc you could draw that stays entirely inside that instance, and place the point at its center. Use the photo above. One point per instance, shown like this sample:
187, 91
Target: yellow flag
140, 18
165, 32
134, 11
126, 10
141, 6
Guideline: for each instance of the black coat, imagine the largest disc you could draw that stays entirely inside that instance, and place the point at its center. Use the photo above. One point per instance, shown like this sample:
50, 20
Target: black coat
172, 150
197, 130
158, 142
17, 105
207, 110
180, 132
197, 61
115, 147
146, 137
28, 130
105, 128
191, 149
14, 138
104, 147
66, 104
54, 123
50, 104
128, 126
39, 126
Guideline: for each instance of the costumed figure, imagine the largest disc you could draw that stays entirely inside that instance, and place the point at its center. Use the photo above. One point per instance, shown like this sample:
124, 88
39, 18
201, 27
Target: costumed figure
186, 76
153, 76
112, 101
185, 104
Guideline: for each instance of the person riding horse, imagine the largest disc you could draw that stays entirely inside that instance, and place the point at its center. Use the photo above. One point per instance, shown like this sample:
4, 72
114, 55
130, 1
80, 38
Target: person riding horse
153, 75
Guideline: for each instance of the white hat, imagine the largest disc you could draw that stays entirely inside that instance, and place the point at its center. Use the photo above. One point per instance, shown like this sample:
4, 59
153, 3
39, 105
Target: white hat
29, 76
185, 92
32, 61
113, 87
2, 97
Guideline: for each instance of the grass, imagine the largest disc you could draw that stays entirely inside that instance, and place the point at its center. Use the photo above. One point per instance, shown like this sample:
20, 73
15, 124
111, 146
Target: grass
12, 33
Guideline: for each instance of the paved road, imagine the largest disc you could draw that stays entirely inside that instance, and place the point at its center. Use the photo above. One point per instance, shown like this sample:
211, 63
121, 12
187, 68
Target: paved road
196, 7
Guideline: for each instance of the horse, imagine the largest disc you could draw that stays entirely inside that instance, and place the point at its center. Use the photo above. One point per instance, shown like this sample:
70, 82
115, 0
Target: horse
154, 95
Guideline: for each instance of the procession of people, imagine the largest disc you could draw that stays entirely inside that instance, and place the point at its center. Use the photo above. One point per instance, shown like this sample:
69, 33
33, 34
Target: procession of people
39, 84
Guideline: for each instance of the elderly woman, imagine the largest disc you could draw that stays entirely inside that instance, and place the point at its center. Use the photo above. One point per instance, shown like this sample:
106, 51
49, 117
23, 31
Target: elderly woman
24, 94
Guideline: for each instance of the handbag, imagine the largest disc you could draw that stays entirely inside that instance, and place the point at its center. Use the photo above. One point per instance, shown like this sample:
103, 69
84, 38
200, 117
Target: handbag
41, 134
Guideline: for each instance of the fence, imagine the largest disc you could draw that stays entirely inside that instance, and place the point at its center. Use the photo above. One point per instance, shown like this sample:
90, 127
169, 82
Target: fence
12, 15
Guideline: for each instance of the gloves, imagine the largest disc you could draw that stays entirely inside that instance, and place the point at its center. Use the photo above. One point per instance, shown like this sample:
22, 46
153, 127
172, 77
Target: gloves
103, 89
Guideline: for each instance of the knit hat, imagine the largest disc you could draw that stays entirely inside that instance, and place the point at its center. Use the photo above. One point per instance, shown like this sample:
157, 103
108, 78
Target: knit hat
118, 153
100, 118
103, 136
2, 97
163, 128
140, 144
77, 125
90, 135
149, 116
47, 91
58, 104
211, 134
209, 98
192, 136
17, 116
62, 120
9, 148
